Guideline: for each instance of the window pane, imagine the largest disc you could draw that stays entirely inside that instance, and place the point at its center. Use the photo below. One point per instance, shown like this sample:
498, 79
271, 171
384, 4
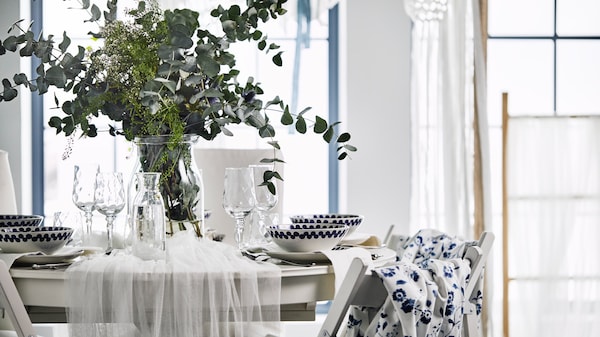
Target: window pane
578, 17
524, 69
521, 18
578, 77
305, 155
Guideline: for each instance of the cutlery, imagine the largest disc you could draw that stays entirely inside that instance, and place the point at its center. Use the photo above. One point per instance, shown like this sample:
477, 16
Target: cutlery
262, 257
50, 265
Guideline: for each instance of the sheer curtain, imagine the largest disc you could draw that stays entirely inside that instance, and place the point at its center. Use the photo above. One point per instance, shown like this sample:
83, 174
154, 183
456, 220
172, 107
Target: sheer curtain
442, 113
553, 190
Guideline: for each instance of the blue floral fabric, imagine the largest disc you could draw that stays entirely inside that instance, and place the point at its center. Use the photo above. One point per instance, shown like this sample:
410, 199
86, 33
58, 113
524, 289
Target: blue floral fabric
425, 291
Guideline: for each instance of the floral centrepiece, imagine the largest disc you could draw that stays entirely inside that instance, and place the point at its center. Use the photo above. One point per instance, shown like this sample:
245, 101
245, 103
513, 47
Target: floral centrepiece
160, 73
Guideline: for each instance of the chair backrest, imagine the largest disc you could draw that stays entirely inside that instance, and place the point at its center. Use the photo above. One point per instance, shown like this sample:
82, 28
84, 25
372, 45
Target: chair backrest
213, 162
362, 288
12, 303
8, 202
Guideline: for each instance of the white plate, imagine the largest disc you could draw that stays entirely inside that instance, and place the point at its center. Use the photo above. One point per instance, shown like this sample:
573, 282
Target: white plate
355, 238
63, 255
385, 255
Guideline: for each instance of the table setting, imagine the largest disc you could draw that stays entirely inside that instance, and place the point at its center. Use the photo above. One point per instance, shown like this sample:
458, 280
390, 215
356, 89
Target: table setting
180, 284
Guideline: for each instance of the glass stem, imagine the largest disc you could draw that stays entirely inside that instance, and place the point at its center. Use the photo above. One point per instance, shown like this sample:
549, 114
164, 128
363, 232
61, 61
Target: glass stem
239, 231
109, 232
262, 228
88, 225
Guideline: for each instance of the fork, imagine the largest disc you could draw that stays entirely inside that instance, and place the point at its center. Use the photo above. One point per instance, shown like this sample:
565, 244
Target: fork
263, 257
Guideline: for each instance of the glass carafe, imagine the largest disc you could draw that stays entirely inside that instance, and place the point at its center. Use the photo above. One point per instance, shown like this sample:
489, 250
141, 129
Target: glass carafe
148, 218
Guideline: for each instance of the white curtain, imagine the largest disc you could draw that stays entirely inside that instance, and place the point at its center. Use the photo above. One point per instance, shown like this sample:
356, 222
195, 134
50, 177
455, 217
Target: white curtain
553, 185
442, 111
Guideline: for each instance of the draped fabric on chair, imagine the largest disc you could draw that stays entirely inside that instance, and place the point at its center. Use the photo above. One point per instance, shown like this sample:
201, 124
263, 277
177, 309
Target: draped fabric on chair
444, 59
553, 207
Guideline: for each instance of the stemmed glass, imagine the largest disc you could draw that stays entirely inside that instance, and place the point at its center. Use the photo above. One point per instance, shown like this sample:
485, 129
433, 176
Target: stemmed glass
110, 200
84, 187
265, 201
239, 198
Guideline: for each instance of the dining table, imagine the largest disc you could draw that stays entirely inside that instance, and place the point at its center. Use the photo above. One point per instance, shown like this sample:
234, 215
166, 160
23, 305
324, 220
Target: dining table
43, 291
304, 283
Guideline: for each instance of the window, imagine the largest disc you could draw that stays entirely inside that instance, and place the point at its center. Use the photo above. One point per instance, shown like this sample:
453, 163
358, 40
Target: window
305, 155
544, 54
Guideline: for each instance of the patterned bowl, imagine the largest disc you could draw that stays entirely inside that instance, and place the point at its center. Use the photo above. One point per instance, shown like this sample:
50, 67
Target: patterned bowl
18, 220
307, 237
33, 239
351, 220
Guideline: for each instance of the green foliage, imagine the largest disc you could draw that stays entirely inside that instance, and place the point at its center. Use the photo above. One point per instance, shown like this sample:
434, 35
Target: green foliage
159, 73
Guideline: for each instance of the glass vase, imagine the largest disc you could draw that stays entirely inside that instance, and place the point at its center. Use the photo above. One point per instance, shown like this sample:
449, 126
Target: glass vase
148, 218
180, 183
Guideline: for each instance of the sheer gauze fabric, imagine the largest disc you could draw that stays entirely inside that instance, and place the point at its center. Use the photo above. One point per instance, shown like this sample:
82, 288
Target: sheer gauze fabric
446, 63
553, 189
203, 288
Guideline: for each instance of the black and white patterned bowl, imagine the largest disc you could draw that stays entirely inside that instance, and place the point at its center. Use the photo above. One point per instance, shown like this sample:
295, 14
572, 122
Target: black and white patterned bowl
351, 220
33, 239
20, 220
307, 237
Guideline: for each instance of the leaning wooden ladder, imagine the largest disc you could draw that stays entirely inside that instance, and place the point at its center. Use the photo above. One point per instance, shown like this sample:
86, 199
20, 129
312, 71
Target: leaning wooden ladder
365, 289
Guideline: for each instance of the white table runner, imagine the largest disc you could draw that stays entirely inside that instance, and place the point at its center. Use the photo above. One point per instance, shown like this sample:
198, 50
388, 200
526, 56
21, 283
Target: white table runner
203, 288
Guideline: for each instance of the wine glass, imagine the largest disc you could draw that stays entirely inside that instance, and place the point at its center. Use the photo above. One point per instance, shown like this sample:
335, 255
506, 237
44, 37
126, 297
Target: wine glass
110, 200
239, 198
84, 187
265, 201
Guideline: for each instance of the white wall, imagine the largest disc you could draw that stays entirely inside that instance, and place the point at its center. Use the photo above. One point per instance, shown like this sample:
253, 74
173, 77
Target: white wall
376, 62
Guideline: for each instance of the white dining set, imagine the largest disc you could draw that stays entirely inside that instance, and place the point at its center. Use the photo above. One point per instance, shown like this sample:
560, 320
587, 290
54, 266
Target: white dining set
426, 284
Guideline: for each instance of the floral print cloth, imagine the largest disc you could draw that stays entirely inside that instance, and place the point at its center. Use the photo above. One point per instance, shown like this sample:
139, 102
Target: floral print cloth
425, 291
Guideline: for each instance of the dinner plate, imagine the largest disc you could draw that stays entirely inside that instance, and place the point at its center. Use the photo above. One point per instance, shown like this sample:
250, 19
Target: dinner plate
383, 255
355, 238
63, 255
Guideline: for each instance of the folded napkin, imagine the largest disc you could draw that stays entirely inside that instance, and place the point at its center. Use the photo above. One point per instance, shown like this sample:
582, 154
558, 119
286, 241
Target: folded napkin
341, 259
361, 239
10, 258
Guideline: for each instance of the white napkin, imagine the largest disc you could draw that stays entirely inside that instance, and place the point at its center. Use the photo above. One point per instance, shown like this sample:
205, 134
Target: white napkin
341, 259
9, 259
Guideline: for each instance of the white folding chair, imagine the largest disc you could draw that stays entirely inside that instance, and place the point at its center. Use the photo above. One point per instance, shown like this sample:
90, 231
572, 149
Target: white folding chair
362, 288
13, 305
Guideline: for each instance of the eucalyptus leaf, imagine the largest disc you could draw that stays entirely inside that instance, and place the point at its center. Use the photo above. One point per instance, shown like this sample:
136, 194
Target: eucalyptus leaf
21, 78
277, 59
286, 118
344, 137
301, 124
9, 92
320, 125
66, 42
96, 14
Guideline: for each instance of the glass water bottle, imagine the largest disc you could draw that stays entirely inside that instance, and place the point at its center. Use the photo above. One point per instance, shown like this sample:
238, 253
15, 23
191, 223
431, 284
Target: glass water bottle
148, 218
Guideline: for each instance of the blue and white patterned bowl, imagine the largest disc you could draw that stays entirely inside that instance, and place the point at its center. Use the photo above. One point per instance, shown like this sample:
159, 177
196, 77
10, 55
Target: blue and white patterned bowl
33, 239
351, 220
307, 237
20, 220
